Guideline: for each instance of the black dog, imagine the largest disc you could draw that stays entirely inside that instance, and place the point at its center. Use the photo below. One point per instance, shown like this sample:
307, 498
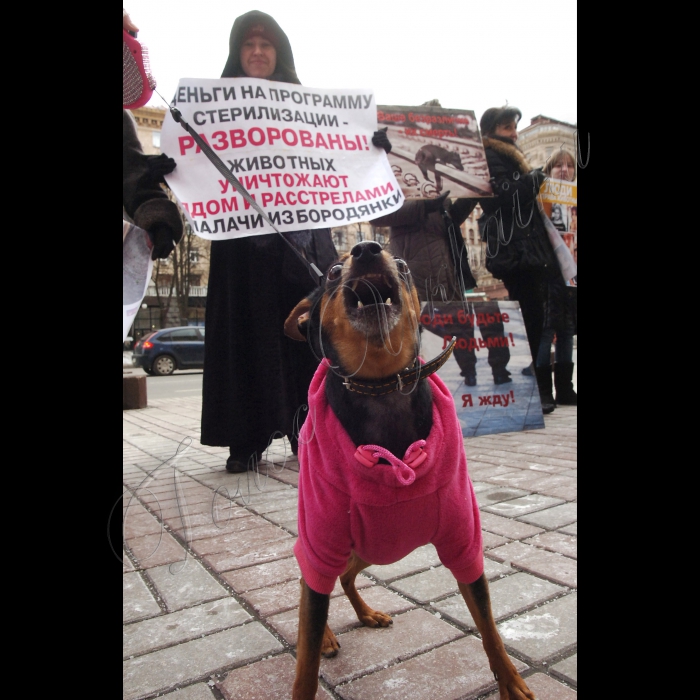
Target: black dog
427, 156
371, 401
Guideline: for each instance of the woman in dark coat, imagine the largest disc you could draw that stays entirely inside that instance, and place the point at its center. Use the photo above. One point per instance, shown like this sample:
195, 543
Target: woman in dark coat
256, 379
560, 317
518, 248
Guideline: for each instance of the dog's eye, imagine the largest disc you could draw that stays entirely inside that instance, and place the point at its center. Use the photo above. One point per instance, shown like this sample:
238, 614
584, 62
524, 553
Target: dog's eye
335, 272
401, 265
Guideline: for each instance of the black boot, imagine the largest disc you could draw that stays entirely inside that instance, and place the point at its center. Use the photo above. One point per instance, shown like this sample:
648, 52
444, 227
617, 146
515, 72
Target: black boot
243, 460
563, 371
544, 384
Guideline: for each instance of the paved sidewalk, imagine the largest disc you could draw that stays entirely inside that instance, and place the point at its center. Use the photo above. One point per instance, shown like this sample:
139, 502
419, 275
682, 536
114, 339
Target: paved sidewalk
211, 586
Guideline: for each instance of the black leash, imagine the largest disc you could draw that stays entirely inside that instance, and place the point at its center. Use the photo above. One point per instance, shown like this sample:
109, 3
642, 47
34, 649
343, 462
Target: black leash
219, 165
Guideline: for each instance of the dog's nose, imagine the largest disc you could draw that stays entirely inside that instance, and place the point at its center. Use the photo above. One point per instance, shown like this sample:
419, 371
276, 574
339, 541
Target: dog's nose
366, 251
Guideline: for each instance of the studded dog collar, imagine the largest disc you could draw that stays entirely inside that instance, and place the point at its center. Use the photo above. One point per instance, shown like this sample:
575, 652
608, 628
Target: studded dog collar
405, 378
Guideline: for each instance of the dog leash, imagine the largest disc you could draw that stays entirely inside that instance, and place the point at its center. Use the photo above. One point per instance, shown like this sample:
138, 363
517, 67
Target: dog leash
405, 378
219, 165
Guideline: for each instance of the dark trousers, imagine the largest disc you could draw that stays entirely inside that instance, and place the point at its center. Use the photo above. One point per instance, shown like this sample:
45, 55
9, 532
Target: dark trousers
531, 292
466, 357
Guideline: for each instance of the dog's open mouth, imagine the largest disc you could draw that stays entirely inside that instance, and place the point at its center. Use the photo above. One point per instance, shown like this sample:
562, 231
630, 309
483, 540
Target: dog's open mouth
373, 302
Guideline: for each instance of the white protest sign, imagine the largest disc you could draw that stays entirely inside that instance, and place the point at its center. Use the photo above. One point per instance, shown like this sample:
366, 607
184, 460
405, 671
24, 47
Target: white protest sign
305, 155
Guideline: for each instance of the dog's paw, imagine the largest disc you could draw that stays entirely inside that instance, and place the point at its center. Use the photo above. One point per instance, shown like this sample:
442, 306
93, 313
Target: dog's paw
515, 689
375, 618
330, 644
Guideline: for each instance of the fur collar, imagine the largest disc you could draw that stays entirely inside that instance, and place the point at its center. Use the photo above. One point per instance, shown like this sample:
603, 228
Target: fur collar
510, 151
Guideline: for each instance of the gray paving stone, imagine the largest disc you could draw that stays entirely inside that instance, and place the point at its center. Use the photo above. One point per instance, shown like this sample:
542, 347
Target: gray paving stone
251, 554
523, 505
480, 486
456, 670
269, 679
186, 583
420, 558
283, 516
428, 585
555, 542
570, 529
543, 632
137, 600
167, 668
510, 595
567, 669
540, 562
506, 527
494, 569
181, 626
235, 541
200, 691
220, 524
364, 649
126, 562
553, 518
156, 550
498, 494
523, 479
268, 574
547, 688
490, 540
291, 526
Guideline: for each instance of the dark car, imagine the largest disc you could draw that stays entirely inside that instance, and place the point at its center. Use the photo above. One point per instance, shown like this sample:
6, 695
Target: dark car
164, 351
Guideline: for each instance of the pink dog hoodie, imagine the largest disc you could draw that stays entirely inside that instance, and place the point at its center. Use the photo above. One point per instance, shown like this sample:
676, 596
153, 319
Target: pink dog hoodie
348, 501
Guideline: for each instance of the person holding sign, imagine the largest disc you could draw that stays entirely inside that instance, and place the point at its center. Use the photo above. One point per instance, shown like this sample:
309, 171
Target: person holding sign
256, 379
144, 202
518, 249
426, 234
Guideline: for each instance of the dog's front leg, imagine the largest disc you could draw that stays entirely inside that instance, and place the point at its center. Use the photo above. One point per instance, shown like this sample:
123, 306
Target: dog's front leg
510, 685
365, 614
313, 614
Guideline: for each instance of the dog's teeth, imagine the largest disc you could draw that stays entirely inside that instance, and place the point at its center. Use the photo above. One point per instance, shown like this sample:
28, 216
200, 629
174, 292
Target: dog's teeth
354, 285
359, 304
388, 301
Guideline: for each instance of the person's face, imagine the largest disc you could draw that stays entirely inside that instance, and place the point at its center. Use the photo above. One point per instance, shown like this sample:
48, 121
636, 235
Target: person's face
258, 57
509, 130
564, 170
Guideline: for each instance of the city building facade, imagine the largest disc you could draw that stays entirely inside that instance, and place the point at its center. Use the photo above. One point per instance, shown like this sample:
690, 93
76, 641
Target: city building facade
543, 137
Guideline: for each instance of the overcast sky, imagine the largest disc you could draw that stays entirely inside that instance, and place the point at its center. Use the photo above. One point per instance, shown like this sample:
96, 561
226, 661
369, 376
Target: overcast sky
469, 55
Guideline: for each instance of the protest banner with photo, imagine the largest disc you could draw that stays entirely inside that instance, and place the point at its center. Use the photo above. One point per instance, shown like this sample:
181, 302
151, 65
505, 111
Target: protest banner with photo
305, 155
485, 372
136, 271
558, 199
435, 150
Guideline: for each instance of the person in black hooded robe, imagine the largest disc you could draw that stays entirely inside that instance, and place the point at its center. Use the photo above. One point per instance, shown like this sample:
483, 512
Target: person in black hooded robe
256, 379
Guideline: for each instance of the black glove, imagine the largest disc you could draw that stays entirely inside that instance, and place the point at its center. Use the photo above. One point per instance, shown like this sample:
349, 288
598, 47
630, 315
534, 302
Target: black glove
161, 236
381, 140
159, 166
436, 204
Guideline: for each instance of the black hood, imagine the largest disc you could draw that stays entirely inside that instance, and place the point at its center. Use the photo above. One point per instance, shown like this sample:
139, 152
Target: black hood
285, 71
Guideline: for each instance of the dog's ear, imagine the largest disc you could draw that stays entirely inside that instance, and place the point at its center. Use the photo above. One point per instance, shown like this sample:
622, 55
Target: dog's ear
297, 322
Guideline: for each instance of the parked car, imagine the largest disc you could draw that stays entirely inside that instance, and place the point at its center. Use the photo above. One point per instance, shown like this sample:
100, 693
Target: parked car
164, 351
